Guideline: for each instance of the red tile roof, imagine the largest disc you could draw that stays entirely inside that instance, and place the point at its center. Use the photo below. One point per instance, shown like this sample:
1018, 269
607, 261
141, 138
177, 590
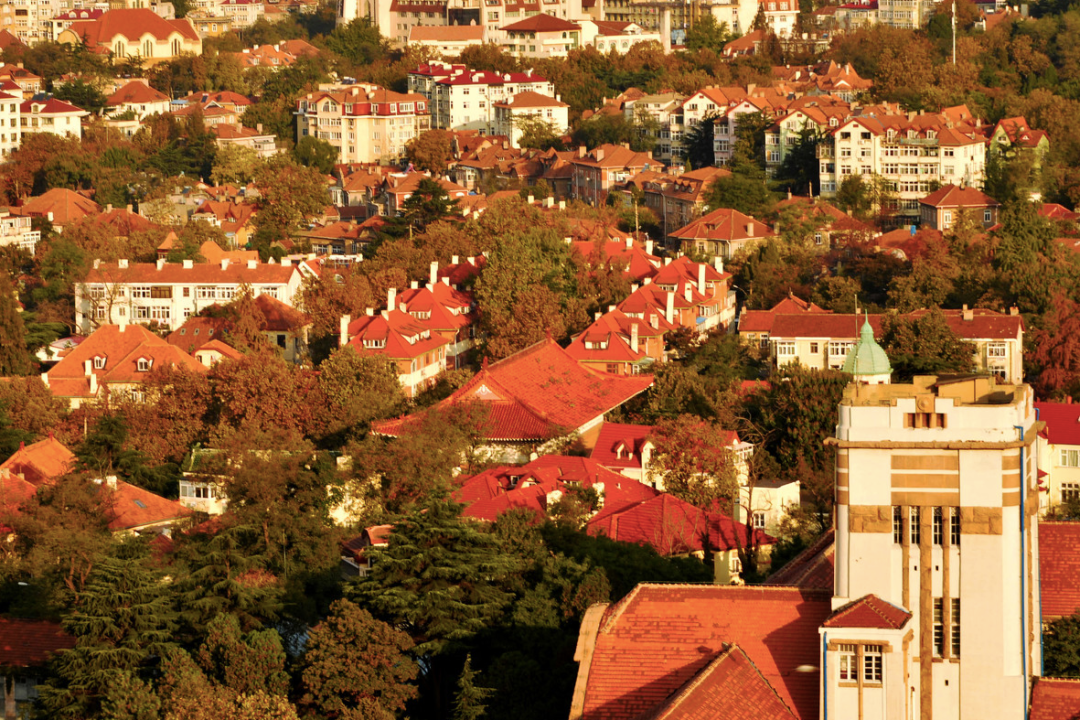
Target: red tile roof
620, 446
530, 99
730, 687
1055, 699
65, 205
671, 526
132, 24
723, 225
659, 637
41, 462
814, 567
402, 336
758, 321
30, 643
1059, 568
869, 611
539, 393
14, 492
137, 93
949, 196
132, 507
201, 273
984, 324
1062, 422
541, 23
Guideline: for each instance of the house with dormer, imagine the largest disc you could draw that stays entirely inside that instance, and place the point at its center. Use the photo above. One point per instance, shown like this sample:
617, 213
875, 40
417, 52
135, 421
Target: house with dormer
450, 313
618, 344
722, 233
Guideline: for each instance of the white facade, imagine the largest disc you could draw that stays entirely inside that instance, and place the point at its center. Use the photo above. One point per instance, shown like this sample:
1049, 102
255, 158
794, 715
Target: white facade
508, 115
52, 116
936, 513
243, 13
17, 231
10, 124
465, 101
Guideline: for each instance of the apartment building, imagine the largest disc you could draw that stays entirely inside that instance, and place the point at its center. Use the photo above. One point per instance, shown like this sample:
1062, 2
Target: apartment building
727, 123
16, 231
597, 171
823, 340
366, 123
909, 152
541, 36
243, 13
905, 14
10, 123
46, 114
663, 109
167, 294
464, 100
510, 113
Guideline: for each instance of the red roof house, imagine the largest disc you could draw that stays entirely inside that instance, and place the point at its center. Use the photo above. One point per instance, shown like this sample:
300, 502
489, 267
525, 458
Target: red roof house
723, 232
619, 344
869, 611
132, 509
40, 462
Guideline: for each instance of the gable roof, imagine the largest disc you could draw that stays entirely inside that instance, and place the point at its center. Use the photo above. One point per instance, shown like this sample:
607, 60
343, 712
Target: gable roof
1062, 422
730, 686
30, 643
538, 393
723, 225
659, 637
619, 445
40, 462
541, 23
132, 507
949, 196
869, 611
137, 93
1059, 568
1055, 699
131, 24
814, 567
65, 205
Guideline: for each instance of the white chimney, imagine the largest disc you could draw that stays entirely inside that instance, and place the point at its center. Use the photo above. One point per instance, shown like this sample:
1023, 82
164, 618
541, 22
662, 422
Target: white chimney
454, 259
93, 384
670, 314
343, 330
434, 276
88, 367
718, 263
122, 326
122, 263
413, 285
634, 337
110, 480
189, 264
45, 378
97, 263
629, 242
225, 263
667, 261
701, 278
251, 264
688, 292
370, 312
391, 300
648, 247
286, 262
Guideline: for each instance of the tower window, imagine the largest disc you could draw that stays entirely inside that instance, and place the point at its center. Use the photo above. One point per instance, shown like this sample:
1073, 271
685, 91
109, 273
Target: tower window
954, 627
897, 524
954, 527
915, 522
848, 663
939, 628
872, 663
939, 526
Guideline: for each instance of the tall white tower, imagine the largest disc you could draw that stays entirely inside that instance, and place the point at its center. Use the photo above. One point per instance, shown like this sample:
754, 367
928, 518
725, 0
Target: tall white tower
936, 553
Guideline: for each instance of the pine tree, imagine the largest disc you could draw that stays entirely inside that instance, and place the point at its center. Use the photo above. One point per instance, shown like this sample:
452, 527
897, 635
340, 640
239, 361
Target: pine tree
14, 357
469, 701
245, 663
122, 622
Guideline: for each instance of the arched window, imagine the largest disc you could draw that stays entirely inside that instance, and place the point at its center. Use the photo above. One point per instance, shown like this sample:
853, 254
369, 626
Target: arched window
148, 48
175, 47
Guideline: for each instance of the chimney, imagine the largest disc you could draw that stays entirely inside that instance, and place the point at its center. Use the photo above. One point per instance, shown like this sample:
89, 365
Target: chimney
580, 153
88, 367
110, 480
258, 128
629, 242
634, 337
343, 330
688, 292
701, 278
718, 263
599, 154
161, 263
530, 200
648, 247
433, 277
633, 288
45, 378
385, 314
454, 259
750, 229
597, 315
225, 263
549, 202
108, 208
122, 326
413, 285
667, 261
251, 264
471, 261
122, 263
391, 300
97, 263
611, 308
562, 204
646, 281
969, 314
1014, 311
670, 309
189, 264
370, 312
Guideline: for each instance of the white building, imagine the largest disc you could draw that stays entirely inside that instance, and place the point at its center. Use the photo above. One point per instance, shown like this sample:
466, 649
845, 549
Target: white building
936, 610
169, 293
1059, 453
465, 100
446, 40
10, 123
16, 230
244, 13
508, 114
49, 115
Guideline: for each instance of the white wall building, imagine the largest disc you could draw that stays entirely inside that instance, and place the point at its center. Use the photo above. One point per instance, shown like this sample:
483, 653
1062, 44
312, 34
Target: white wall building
510, 113
465, 100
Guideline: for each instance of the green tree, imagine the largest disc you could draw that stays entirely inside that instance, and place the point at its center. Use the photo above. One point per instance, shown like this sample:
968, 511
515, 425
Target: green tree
429, 204
538, 132
359, 388
799, 172
234, 164
358, 41
698, 141
122, 622
469, 700
707, 34
14, 356
924, 345
355, 666
245, 663
1061, 647
82, 95
431, 151
315, 153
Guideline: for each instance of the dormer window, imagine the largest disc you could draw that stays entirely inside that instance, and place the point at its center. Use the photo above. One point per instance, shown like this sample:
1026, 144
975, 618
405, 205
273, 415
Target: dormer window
374, 344
144, 364
99, 362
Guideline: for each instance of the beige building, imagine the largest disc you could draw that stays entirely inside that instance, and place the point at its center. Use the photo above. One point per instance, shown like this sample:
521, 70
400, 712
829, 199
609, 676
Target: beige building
936, 610
447, 40
541, 36
510, 113
1059, 454
367, 123
135, 32
10, 123
461, 99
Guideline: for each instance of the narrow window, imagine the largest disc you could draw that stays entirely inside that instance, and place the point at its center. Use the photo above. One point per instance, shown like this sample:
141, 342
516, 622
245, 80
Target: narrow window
872, 664
939, 628
915, 521
848, 663
954, 627
939, 526
954, 527
897, 524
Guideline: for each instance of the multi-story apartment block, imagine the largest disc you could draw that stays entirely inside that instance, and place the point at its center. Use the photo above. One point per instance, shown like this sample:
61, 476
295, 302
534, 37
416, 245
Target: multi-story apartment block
10, 123
676, 200
905, 14
46, 114
16, 231
780, 16
64, 20
936, 588
823, 340
724, 134
908, 152
366, 123
510, 113
465, 100
167, 294
661, 109
243, 13
596, 172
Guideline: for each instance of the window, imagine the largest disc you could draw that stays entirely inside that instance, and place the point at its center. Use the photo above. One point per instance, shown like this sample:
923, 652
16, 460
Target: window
988, 215
848, 663
872, 663
161, 292
759, 521
785, 348
818, 239
995, 350
914, 523
1070, 492
954, 627
612, 368
897, 524
1070, 458
140, 291
144, 364
954, 527
939, 628
814, 348
148, 48
939, 526
99, 363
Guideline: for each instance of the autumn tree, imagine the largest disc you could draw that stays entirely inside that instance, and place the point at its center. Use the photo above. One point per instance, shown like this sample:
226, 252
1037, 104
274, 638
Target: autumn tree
288, 193
924, 345
356, 666
429, 204
538, 132
431, 151
247, 663
695, 461
706, 32
359, 389
234, 164
1053, 358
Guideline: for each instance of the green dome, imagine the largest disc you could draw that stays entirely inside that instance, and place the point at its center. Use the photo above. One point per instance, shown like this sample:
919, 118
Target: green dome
867, 357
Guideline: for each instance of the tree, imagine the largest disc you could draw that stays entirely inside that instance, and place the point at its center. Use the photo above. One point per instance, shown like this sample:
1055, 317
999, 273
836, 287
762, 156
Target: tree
1054, 356
1061, 647
14, 356
538, 132
428, 205
698, 141
431, 151
234, 164
122, 621
439, 578
359, 41
245, 663
799, 172
695, 460
355, 666
924, 345
82, 95
288, 193
706, 33
359, 388
469, 701
316, 153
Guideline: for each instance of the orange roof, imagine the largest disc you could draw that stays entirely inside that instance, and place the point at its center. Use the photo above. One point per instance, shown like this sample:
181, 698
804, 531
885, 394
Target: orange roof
223, 349
446, 33
14, 492
723, 225
1059, 568
176, 273
131, 24
531, 99
541, 23
538, 393
812, 568
137, 93
40, 462
279, 317
730, 686
132, 507
30, 643
65, 205
620, 446
395, 334
660, 637
1055, 699
869, 611
949, 196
